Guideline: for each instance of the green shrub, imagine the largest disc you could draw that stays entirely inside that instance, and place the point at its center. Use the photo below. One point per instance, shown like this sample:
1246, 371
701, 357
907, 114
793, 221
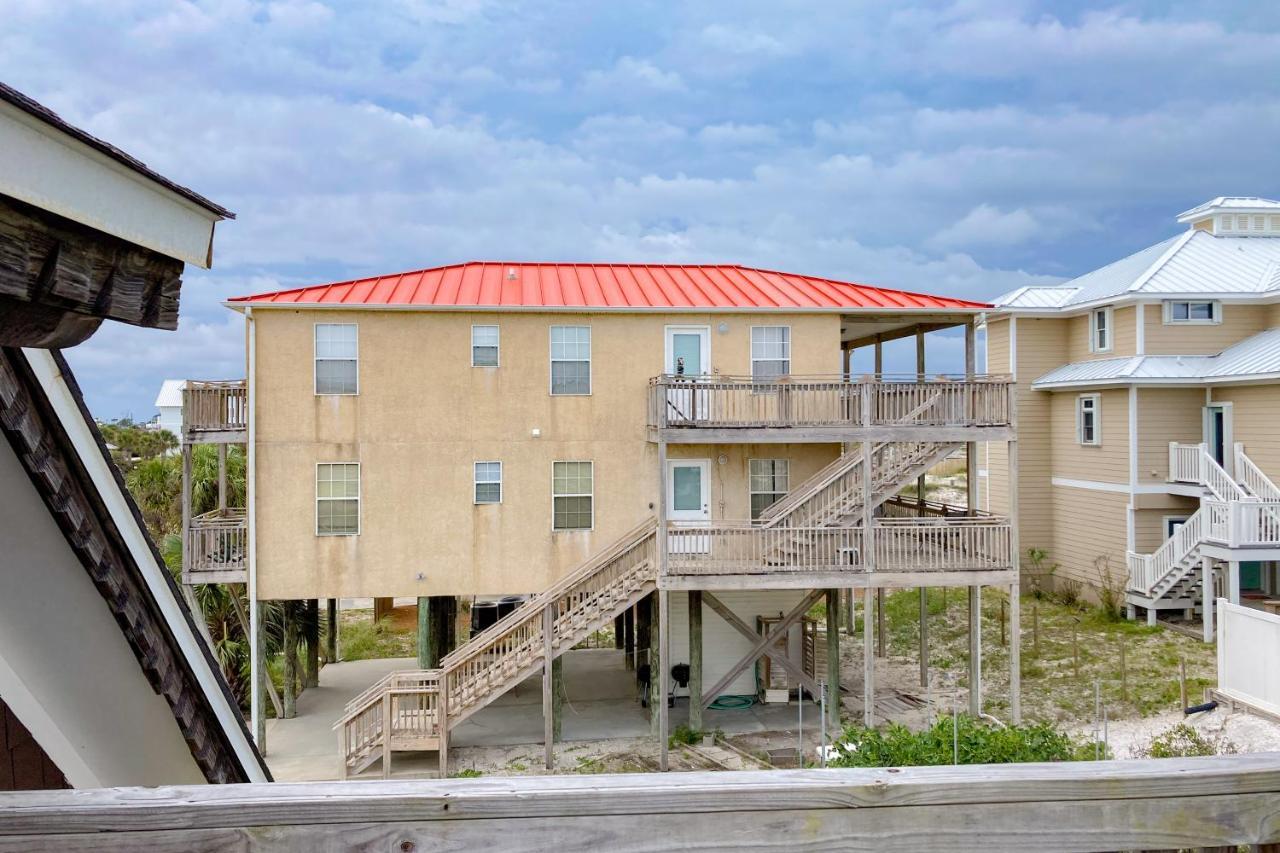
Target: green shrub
468, 773
1182, 741
979, 743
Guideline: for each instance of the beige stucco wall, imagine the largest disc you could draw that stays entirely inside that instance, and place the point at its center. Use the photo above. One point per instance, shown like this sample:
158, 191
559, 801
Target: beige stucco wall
1238, 322
424, 415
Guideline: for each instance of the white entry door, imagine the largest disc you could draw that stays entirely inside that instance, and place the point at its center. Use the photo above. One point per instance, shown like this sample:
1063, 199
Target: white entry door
689, 501
688, 355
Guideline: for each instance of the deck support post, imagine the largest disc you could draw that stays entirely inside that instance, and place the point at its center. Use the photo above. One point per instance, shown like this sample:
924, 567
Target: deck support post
655, 662
882, 645
975, 651
557, 698
312, 627
331, 634
833, 660
868, 660
442, 715
1206, 596
548, 713
1015, 653
290, 697
629, 637
424, 633
924, 636
222, 478
619, 629
382, 608
695, 660
664, 674
850, 623
186, 513
1233, 581
1015, 593
259, 651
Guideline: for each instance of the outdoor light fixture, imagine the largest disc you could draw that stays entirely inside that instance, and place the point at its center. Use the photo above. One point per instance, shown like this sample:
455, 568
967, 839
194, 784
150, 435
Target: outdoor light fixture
722, 459
535, 432
723, 328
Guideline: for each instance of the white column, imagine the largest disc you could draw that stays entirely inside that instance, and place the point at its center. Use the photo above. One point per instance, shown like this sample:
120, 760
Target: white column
1206, 596
1233, 581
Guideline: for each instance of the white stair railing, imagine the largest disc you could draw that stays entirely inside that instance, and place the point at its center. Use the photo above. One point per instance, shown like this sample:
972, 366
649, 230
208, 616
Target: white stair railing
1251, 477
1192, 463
1147, 572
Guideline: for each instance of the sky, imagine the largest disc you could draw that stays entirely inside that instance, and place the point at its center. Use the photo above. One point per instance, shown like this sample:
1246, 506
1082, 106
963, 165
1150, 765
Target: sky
963, 148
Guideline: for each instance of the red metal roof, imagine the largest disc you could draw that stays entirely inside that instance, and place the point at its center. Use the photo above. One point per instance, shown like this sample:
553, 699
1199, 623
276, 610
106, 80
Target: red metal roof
481, 284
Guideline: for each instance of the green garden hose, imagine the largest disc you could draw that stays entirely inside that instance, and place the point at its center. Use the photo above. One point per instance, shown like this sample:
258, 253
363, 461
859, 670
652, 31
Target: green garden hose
732, 702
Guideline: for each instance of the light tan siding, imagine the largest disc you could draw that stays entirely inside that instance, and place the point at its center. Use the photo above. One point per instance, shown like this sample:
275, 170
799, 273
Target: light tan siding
1090, 530
1124, 335
1255, 421
1149, 518
1107, 462
1165, 415
1238, 322
994, 456
423, 415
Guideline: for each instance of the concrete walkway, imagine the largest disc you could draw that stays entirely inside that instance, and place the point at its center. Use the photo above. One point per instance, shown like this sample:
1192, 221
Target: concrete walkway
600, 703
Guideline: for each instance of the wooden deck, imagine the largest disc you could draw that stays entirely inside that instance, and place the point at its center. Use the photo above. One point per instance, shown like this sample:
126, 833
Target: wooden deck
217, 547
215, 411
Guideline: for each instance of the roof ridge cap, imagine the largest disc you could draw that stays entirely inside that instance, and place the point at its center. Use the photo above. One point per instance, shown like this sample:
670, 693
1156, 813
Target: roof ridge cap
1180, 241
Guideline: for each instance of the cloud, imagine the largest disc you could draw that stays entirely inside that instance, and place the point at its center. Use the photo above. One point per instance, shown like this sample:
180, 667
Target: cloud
630, 75
986, 226
963, 148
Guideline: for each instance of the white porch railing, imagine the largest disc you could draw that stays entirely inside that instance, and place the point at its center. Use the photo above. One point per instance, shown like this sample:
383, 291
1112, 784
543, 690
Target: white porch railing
1192, 463
1243, 524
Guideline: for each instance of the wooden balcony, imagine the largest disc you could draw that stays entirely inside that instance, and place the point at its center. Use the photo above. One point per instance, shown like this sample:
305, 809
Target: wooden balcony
217, 548
932, 550
215, 411
829, 408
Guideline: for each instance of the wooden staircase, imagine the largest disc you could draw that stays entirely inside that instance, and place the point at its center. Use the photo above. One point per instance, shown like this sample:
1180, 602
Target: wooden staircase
417, 709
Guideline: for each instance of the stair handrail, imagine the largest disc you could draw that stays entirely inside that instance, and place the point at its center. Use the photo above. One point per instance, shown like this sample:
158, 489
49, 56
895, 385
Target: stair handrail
843, 464
1147, 571
535, 603
1253, 478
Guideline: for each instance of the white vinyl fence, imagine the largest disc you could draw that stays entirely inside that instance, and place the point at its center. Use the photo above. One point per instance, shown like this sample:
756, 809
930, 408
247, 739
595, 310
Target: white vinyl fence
1249, 656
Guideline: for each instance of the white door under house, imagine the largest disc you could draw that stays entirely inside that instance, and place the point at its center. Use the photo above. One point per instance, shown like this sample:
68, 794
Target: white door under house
688, 353
689, 501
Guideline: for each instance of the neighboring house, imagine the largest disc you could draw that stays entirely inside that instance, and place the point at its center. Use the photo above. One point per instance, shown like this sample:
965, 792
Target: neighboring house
169, 406
1147, 402
495, 428
104, 678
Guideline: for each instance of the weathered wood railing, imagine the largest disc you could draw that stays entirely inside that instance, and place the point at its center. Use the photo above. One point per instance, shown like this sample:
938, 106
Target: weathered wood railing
906, 544
828, 401
400, 711
217, 542
909, 506
215, 406
1216, 802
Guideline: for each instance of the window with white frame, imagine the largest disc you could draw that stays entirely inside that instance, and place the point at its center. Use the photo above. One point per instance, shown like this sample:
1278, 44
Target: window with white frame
337, 499
484, 346
570, 359
1088, 419
1100, 330
1192, 311
770, 352
488, 479
571, 496
768, 481
337, 356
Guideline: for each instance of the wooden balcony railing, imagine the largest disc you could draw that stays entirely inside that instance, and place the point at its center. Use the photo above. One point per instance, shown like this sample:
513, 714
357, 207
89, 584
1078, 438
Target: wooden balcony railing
217, 543
828, 401
908, 544
215, 406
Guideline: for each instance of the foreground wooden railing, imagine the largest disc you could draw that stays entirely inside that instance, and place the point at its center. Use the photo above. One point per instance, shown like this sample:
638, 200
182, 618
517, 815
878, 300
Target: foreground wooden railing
215, 406
1179, 803
828, 401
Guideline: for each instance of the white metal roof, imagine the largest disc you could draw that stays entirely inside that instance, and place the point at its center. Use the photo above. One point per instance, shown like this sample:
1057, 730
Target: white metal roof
1194, 263
170, 393
1253, 358
1250, 203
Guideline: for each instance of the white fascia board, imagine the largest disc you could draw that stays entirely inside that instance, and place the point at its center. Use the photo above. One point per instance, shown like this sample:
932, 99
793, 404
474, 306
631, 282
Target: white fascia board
135, 540
1125, 381
48, 169
1135, 297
